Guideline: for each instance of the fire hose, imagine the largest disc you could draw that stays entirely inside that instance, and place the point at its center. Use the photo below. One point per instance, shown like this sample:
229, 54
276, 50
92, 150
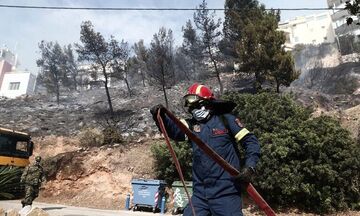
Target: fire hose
257, 198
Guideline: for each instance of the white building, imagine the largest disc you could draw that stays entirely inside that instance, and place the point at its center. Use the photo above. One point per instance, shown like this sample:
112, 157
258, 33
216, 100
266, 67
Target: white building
14, 83
313, 29
18, 83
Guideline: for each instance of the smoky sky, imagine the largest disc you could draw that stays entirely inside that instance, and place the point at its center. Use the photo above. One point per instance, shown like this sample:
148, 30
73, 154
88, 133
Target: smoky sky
23, 29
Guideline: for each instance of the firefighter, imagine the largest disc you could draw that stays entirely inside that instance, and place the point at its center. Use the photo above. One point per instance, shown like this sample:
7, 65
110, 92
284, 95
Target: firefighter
215, 192
32, 177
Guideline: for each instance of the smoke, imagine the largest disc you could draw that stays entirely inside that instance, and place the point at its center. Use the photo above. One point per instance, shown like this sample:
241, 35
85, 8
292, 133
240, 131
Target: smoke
322, 69
308, 57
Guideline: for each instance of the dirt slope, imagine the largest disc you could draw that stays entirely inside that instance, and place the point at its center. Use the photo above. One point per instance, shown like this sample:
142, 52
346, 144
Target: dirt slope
93, 177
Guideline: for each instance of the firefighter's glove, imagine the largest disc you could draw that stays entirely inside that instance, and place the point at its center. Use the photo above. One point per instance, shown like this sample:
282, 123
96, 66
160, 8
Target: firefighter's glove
154, 111
245, 176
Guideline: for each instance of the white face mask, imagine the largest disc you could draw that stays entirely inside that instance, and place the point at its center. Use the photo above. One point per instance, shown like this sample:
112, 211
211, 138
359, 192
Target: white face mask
200, 114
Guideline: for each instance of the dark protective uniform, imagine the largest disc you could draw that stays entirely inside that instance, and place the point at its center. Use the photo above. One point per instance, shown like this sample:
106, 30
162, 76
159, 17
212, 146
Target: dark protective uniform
32, 177
214, 191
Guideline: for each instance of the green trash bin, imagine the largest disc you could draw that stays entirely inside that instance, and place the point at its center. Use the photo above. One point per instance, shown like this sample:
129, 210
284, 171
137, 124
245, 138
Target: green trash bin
180, 198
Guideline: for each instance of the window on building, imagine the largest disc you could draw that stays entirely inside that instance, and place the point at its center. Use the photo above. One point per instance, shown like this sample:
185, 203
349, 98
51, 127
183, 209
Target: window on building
296, 39
14, 86
325, 38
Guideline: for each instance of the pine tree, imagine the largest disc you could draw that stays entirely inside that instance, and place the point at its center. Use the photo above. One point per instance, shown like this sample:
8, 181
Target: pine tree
259, 45
53, 66
192, 49
210, 36
121, 64
140, 59
160, 62
238, 13
71, 66
99, 53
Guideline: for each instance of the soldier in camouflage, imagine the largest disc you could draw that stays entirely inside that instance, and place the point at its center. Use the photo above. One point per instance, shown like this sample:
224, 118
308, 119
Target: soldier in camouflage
32, 177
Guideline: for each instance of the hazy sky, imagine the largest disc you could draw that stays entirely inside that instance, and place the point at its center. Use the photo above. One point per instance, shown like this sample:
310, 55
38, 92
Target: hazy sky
23, 29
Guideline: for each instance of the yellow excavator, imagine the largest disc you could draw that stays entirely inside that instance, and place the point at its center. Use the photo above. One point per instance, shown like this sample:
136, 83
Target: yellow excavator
15, 149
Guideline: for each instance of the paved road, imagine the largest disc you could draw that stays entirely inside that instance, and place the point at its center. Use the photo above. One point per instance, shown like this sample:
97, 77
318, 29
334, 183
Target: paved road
62, 210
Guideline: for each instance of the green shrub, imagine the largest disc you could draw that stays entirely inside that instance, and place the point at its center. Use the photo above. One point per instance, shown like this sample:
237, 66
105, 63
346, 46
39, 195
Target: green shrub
311, 164
91, 137
164, 166
268, 112
112, 135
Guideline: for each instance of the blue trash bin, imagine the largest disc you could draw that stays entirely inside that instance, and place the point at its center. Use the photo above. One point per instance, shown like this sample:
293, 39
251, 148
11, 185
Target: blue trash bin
147, 193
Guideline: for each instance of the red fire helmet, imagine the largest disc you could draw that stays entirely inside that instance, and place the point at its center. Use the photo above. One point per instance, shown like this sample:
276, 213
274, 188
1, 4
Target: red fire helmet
197, 93
201, 91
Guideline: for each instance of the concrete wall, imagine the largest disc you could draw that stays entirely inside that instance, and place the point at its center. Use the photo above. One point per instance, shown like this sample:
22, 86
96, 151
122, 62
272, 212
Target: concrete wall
24, 80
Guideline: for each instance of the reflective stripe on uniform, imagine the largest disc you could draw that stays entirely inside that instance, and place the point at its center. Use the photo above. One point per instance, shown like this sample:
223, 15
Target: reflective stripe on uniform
243, 132
198, 89
14, 161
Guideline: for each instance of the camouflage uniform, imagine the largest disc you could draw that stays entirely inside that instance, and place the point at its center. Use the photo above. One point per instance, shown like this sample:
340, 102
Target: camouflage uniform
32, 177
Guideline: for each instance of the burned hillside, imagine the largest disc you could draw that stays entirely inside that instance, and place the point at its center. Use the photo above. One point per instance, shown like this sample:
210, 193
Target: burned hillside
342, 79
40, 115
